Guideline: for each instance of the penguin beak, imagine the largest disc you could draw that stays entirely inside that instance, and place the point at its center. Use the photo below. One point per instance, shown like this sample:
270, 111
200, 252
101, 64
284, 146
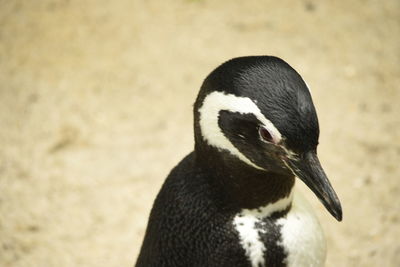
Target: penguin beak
309, 170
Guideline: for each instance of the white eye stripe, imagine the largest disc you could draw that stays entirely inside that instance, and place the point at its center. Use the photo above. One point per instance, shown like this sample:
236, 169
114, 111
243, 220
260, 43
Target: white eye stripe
210, 130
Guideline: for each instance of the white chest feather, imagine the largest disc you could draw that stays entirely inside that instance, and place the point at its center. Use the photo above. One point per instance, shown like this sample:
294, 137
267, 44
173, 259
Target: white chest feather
301, 234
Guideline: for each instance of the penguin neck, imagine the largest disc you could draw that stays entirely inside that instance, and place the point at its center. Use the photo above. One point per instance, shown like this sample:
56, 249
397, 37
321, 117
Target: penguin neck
241, 185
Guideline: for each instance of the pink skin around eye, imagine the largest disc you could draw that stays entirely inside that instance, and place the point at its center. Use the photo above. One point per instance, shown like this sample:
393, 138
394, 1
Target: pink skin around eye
267, 135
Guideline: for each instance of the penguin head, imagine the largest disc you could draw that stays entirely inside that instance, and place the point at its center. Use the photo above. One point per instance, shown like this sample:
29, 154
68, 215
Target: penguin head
258, 111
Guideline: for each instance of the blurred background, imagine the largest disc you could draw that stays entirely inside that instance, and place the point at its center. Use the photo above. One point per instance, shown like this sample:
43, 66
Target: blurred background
96, 108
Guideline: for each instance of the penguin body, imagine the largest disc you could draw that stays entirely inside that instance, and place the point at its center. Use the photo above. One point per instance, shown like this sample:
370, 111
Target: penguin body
232, 201
190, 224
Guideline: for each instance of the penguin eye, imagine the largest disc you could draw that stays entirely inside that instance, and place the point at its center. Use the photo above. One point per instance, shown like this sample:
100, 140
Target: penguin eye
265, 135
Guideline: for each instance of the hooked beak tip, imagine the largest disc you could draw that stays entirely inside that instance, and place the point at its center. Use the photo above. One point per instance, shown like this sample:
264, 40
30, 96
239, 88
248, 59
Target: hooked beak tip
336, 210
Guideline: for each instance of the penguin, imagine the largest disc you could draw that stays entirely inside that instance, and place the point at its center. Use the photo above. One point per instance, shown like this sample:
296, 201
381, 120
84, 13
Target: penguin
233, 201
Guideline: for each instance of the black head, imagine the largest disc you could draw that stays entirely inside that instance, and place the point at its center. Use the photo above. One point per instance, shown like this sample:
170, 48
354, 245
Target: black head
259, 110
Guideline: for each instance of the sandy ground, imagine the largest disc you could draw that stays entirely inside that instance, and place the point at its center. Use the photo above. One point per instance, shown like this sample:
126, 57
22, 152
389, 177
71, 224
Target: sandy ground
95, 109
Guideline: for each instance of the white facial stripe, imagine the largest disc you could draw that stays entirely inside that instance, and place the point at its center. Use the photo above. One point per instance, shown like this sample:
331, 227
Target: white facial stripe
210, 130
245, 224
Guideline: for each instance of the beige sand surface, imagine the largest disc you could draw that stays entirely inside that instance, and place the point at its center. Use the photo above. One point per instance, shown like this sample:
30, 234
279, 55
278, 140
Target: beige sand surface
95, 109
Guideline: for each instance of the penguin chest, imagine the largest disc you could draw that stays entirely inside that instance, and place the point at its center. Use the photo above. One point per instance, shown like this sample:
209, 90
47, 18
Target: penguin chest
294, 239
302, 236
